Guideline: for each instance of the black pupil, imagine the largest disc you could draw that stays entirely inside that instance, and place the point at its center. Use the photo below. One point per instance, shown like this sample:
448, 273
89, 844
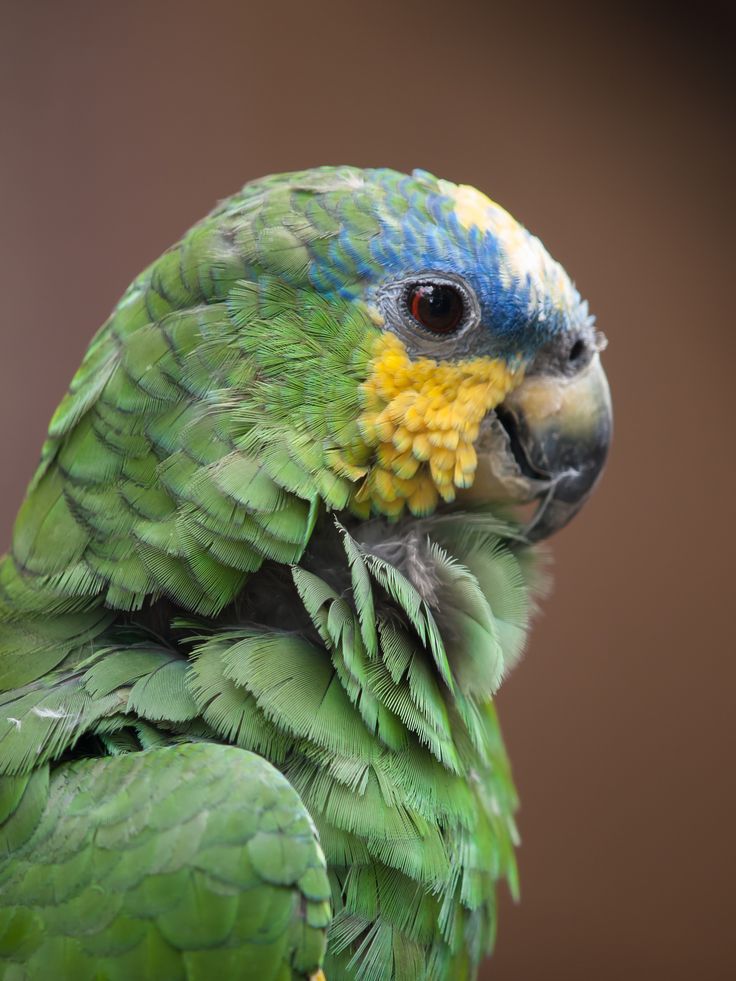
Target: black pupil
437, 307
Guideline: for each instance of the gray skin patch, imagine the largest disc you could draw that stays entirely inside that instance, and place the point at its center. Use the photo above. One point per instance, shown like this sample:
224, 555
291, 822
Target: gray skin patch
406, 547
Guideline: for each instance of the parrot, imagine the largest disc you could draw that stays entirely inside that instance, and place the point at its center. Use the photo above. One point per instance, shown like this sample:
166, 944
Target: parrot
280, 552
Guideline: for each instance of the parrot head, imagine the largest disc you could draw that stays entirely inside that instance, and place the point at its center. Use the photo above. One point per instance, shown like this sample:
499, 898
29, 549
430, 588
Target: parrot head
474, 373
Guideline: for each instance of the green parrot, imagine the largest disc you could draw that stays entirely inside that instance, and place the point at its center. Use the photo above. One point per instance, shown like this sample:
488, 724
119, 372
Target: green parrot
266, 580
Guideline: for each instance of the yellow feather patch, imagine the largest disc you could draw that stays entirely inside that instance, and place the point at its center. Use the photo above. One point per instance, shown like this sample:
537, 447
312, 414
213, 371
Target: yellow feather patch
421, 418
523, 257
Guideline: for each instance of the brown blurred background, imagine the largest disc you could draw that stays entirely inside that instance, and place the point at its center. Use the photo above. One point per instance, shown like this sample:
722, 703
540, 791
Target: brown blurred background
604, 127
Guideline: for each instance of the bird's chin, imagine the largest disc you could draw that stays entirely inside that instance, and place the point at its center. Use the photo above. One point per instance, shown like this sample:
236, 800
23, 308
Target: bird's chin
504, 475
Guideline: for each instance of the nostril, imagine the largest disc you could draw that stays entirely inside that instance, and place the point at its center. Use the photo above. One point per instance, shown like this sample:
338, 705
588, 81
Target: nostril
577, 351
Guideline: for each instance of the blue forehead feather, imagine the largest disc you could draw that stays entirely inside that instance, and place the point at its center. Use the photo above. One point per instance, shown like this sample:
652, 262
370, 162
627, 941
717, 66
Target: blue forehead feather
421, 230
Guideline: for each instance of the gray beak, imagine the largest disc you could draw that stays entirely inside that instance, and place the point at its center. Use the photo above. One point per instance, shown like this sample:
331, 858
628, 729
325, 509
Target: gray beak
559, 431
547, 442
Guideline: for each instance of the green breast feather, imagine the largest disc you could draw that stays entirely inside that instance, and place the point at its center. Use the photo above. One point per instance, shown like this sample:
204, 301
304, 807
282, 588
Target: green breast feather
247, 727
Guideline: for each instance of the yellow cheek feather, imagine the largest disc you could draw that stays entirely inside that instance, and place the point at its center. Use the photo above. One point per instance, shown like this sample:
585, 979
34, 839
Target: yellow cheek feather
421, 418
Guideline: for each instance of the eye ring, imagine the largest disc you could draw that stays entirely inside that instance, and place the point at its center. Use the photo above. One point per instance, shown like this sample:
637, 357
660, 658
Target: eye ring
423, 333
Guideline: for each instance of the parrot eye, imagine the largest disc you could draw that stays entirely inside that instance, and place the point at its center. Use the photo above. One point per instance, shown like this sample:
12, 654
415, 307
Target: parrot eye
432, 309
437, 307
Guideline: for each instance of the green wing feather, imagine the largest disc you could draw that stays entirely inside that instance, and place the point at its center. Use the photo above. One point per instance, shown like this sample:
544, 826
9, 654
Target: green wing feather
192, 862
